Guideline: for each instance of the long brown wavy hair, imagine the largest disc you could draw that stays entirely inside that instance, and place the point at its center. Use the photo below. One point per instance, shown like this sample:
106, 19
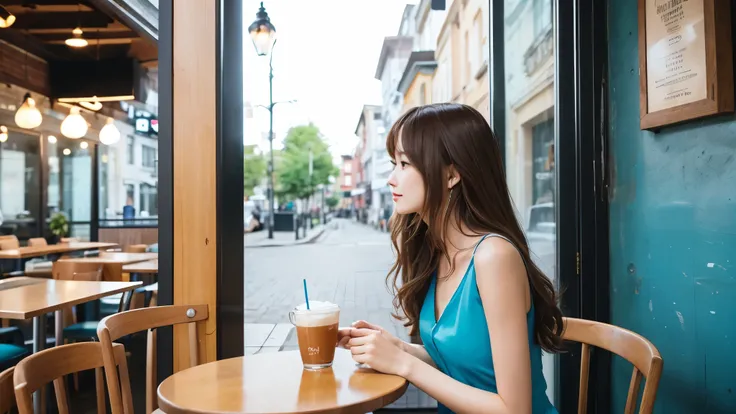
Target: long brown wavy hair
435, 137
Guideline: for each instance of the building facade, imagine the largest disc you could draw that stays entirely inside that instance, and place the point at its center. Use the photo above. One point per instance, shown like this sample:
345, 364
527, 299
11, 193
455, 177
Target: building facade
373, 173
462, 56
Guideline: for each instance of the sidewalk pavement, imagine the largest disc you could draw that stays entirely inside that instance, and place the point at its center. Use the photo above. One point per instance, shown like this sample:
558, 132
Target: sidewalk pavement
283, 238
265, 337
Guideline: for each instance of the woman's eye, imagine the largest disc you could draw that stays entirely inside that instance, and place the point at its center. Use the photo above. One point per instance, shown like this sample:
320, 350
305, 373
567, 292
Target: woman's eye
404, 164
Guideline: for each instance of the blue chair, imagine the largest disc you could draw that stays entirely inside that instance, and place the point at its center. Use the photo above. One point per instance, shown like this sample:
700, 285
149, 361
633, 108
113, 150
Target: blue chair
12, 349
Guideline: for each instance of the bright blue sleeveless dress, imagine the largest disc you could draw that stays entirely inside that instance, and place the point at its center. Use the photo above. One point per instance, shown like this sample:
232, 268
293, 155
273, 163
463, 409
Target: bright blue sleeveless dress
460, 345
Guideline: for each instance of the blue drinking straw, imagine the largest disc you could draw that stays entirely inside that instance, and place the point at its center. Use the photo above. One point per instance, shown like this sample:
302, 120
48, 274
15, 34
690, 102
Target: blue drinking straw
306, 295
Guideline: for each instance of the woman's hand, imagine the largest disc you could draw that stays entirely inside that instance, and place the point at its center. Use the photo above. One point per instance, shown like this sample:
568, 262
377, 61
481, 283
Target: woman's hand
379, 350
345, 334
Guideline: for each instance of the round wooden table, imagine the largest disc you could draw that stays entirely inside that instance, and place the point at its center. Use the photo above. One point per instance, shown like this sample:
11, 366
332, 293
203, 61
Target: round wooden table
277, 383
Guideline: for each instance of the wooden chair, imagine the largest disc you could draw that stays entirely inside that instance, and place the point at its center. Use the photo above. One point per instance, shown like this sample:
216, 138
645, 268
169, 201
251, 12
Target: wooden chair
7, 395
53, 364
77, 271
122, 324
69, 240
9, 244
37, 242
135, 248
628, 345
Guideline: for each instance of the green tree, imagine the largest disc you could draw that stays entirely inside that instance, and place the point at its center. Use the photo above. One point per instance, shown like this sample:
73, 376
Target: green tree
293, 171
254, 169
333, 201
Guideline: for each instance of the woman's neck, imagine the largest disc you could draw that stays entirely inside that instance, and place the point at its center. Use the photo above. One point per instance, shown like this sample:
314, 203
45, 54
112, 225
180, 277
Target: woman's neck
458, 237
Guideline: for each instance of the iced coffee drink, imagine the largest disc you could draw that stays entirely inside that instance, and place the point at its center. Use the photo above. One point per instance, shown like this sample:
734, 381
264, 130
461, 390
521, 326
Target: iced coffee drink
316, 331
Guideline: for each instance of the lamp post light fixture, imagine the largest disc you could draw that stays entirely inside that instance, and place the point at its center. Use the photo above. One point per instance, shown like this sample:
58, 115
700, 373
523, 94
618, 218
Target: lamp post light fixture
263, 34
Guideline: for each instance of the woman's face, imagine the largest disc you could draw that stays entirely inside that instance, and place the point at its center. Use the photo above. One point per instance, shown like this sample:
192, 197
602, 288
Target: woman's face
407, 184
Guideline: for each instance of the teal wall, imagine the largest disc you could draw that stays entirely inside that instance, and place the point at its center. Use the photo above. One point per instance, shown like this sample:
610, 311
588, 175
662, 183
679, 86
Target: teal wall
672, 239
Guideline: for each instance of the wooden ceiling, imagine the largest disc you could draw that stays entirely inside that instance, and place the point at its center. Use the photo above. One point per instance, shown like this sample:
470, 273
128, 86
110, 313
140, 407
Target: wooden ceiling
42, 26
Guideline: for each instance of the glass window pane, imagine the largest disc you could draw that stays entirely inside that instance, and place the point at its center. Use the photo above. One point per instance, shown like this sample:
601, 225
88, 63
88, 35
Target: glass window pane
20, 201
70, 178
530, 140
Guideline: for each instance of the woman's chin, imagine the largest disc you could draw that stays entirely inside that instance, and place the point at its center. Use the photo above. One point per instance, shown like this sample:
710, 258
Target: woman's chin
399, 209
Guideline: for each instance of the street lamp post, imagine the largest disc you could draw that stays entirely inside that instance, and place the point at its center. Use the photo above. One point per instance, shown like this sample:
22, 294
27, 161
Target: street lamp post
263, 34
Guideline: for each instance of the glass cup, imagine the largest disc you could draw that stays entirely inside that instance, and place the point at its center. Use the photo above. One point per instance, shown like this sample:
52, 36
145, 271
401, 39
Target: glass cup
316, 331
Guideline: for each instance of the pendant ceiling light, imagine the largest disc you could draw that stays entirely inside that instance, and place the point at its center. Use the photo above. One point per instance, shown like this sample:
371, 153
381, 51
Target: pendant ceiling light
3, 133
93, 104
74, 125
28, 116
109, 133
77, 40
6, 18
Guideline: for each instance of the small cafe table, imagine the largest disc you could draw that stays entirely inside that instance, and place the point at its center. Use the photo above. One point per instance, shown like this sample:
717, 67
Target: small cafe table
276, 383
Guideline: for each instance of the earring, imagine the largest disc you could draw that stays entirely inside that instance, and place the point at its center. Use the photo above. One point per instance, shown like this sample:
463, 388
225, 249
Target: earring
449, 197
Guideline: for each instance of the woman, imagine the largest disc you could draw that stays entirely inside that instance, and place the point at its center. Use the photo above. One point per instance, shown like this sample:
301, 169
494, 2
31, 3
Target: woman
463, 277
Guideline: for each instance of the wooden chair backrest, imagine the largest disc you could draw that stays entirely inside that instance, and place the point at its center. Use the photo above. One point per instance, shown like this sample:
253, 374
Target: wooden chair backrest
629, 345
122, 324
9, 244
37, 242
7, 395
69, 240
53, 364
64, 270
135, 248
75, 271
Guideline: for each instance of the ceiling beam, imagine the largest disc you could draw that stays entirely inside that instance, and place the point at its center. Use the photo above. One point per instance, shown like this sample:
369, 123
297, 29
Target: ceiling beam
30, 44
32, 3
89, 35
61, 20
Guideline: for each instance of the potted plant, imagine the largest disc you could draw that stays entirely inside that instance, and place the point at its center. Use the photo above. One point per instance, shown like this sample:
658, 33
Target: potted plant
59, 226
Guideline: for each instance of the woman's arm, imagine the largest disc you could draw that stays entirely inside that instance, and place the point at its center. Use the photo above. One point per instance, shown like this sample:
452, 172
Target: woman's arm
503, 287
419, 352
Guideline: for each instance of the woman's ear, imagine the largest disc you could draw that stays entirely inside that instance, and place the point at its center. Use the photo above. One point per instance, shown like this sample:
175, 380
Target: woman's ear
452, 177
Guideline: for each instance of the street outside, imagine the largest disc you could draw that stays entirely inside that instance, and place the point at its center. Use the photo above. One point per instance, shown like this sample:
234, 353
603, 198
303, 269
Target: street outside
347, 265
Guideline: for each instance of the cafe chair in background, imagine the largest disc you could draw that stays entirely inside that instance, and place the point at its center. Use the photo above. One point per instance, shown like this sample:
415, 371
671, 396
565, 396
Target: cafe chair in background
53, 364
629, 345
7, 395
149, 319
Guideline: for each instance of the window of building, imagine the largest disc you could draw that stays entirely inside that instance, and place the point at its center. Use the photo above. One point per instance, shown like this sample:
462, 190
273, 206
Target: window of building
129, 194
467, 65
348, 167
542, 16
131, 150
476, 42
149, 200
148, 156
348, 180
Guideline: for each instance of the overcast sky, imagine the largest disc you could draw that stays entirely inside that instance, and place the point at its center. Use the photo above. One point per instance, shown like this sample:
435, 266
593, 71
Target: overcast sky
325, 59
